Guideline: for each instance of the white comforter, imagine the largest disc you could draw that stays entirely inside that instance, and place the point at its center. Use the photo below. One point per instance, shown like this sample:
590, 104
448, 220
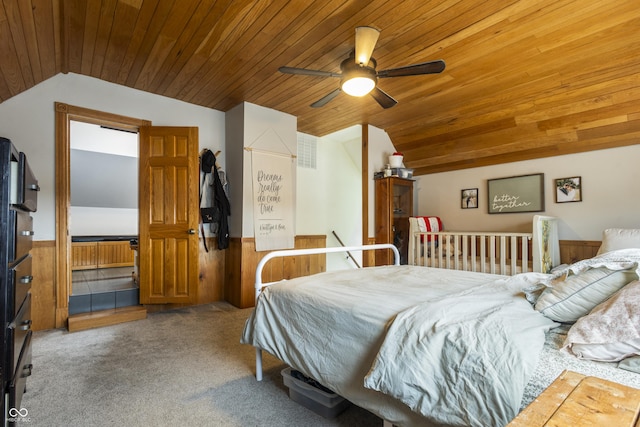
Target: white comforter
464, 359
332, 327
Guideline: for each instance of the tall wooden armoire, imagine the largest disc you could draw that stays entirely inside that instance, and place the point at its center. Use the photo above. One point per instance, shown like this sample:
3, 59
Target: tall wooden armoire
394, 206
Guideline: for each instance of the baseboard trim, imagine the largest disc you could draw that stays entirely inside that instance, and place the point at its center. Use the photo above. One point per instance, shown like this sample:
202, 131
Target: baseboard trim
98, 319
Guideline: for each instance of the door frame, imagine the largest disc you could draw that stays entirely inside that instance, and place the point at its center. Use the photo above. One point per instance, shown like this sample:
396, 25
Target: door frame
64, 114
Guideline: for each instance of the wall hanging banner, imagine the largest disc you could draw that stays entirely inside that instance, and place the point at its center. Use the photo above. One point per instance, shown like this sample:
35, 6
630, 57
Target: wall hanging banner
273, 200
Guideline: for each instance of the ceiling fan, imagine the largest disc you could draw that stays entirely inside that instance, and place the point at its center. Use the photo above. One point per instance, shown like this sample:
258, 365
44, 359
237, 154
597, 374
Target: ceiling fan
358, 75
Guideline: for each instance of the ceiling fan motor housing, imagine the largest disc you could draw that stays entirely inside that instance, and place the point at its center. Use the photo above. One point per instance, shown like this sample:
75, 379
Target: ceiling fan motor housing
350, 70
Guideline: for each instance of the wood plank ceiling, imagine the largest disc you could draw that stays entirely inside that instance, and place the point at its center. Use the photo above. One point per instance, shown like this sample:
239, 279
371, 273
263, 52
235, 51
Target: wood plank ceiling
524, 78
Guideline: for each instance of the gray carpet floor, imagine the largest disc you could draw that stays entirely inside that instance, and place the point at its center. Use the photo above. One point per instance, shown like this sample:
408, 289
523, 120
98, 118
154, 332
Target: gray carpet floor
180, 367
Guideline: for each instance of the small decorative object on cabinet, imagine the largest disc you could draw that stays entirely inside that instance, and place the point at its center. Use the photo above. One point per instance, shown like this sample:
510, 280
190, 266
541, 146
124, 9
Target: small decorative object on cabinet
394, 206
18, 198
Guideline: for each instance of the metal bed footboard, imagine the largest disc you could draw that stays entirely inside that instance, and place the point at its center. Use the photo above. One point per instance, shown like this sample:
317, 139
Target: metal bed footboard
259, 285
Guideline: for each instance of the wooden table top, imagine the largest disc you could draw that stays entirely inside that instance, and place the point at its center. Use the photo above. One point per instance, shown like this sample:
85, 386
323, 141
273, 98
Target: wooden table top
576, 400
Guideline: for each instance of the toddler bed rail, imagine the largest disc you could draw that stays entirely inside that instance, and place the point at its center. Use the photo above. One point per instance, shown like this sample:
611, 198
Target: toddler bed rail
495, 253
505, 253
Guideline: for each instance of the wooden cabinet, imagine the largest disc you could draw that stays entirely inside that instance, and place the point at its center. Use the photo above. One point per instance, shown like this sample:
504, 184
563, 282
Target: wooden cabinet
394, 206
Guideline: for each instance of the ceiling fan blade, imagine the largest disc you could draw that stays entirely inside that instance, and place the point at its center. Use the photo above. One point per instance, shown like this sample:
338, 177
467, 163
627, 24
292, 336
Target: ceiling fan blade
431, 67
325, 99
305, 72
366, 39
385, 100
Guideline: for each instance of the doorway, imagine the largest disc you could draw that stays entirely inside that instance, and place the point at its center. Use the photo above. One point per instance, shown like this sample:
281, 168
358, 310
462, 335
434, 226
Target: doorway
103, 217
64, 115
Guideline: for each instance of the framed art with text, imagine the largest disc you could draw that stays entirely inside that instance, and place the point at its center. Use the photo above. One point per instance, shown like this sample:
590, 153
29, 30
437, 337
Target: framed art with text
524, 193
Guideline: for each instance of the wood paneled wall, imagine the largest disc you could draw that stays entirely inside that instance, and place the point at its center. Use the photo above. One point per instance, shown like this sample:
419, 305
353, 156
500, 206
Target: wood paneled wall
43, 289
575, 250
212, 273
243, 259
115, 254
103, 254
84, 255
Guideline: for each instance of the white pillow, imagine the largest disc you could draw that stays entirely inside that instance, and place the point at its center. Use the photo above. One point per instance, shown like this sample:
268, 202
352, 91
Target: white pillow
611, 331
619, 238
569, 299
605, 352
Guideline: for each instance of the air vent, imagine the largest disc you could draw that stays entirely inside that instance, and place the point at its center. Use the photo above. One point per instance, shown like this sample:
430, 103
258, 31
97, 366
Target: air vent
307, 149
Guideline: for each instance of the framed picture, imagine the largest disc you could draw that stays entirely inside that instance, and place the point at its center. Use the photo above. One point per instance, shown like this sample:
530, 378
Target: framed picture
469, 198
568, 189
524, 193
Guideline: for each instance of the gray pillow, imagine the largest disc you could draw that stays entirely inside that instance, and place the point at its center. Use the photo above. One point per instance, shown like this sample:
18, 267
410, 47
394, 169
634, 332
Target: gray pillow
569, 299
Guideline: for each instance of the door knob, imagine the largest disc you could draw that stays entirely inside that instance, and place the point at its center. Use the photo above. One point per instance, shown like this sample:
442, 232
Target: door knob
191, 231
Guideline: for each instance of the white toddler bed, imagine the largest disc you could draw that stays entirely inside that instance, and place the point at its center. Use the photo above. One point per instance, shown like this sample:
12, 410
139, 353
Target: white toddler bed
505, 253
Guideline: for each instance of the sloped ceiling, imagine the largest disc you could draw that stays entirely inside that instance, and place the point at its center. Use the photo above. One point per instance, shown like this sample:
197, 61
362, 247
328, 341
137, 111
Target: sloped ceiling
524, 79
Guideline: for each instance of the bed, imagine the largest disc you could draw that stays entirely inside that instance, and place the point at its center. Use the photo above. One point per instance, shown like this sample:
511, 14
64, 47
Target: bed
506, 253
377, 335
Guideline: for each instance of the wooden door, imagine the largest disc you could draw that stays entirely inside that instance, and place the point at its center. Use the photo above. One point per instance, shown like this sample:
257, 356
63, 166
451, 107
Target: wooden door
168, 243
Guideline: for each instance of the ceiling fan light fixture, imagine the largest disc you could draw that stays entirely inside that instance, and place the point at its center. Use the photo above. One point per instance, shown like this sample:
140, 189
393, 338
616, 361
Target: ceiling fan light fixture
358, 86
358, 75
356, 79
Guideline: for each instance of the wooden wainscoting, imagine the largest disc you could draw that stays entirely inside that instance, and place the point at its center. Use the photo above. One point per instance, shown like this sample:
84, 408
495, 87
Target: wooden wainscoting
84, 255
242, 260
369, 257
101, 254
575, 250
43, 290
115, 254
212, 272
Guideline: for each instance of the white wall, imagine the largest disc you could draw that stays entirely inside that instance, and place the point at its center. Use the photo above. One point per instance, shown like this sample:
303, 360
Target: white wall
610, 195
261, 129
234, 145
311, 198
340, 167
252, 127
28, 120
87, 221
327, 197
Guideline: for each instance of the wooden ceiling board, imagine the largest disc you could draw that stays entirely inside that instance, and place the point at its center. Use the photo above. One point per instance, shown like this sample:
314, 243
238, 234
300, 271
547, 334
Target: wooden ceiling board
75, 19
524, 78
14, 19
43, 36
143, 21
126, 15
189, 41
